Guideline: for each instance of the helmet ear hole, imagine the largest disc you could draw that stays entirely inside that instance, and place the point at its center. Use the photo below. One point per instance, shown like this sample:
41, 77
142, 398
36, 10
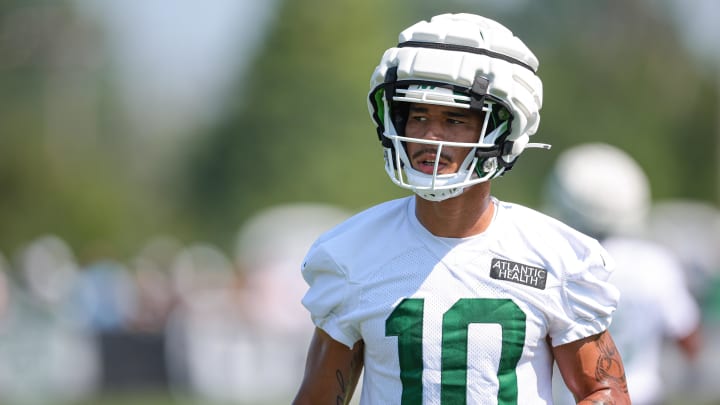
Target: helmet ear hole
400, 111
499, 115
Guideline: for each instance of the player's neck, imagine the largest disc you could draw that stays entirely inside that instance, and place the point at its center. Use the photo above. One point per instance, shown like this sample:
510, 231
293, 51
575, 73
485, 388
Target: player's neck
466, 215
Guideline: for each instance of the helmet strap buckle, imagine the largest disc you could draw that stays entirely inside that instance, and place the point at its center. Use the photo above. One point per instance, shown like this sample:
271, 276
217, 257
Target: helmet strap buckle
478, 91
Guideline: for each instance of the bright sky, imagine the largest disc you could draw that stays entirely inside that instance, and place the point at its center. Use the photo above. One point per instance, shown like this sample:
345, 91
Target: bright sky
698, 23
174, 58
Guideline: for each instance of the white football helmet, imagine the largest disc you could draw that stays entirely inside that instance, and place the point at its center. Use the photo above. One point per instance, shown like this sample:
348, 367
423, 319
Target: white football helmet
598, 189
465, 61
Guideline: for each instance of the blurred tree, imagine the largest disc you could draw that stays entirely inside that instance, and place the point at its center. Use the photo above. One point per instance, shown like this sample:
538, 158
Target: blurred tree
300, 131
62, 155
612, 72
297, 128
623, 77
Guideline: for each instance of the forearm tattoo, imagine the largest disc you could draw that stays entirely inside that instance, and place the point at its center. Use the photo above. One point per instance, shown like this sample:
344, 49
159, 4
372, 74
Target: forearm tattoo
340, 400
347, 384
609, 366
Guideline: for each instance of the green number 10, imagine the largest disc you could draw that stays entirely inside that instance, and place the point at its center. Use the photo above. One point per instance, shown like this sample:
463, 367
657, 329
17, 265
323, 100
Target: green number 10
406, 322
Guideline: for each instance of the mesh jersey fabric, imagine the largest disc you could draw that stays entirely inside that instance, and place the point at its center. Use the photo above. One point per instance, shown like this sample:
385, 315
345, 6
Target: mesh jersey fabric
429, 308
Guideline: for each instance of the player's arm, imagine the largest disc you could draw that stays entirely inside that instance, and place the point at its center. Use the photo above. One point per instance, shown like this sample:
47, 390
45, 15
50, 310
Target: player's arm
691, 344
593, 370
331, 371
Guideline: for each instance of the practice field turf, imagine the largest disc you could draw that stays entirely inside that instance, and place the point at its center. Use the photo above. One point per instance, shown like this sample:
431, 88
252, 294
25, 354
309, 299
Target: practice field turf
153, 398
165, 399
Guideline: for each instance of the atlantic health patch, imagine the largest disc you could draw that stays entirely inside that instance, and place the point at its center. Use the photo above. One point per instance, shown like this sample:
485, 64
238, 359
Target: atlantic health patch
518, 273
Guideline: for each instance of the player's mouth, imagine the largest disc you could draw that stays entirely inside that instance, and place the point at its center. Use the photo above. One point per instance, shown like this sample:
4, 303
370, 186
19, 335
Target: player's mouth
425, 162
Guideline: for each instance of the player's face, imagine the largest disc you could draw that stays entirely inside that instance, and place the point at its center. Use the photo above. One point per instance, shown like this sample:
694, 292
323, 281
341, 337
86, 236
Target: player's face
440, 123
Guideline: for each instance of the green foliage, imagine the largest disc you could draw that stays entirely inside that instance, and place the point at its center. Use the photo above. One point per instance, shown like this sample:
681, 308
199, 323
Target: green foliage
63, 167
301, 132
297, 128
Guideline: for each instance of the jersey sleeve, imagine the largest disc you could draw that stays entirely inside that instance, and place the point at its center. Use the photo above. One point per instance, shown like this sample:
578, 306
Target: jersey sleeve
329, 298
589, 299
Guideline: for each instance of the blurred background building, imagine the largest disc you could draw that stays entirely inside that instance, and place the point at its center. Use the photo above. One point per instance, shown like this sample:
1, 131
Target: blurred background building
141, 141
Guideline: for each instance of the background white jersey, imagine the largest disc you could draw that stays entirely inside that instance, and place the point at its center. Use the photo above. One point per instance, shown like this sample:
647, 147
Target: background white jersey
656, 304
450, 321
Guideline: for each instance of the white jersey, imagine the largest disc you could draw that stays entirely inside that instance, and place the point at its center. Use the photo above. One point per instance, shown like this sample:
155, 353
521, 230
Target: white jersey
656, 304
451, 321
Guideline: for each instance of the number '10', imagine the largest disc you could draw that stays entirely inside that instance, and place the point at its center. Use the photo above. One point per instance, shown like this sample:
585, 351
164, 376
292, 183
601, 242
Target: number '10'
406, 322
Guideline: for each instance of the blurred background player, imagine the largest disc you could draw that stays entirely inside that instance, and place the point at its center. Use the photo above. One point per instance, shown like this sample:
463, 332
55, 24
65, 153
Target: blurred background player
46, 349
238, 332
602, 191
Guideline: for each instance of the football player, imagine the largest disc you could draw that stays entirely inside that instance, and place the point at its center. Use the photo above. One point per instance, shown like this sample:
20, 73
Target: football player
602, 191
452, 296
